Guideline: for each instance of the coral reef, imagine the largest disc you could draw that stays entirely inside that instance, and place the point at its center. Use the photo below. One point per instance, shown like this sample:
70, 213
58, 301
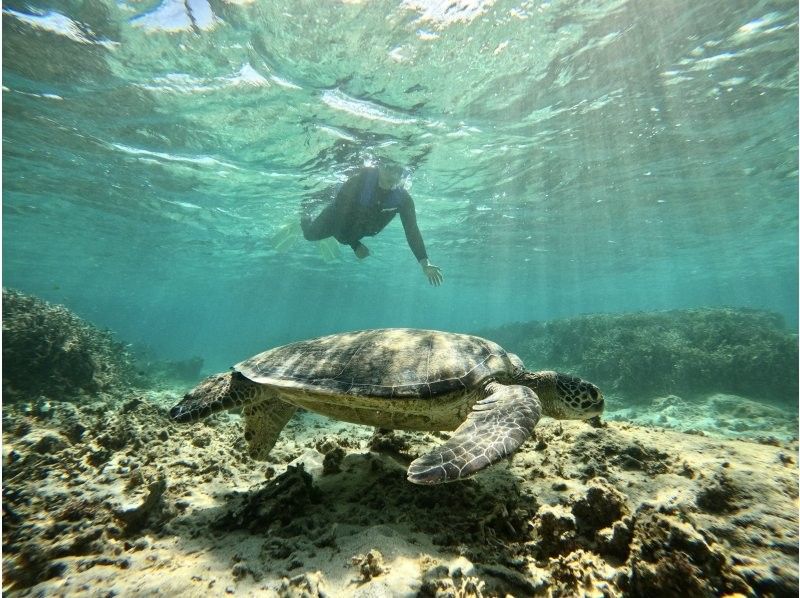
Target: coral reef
683, 352
48, 350
113, 498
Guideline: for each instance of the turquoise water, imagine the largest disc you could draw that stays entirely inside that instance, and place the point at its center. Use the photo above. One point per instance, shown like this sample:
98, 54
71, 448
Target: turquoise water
565, 158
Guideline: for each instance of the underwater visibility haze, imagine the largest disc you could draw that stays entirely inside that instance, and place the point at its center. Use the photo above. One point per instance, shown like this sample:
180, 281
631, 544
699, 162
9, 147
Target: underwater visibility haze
610, 188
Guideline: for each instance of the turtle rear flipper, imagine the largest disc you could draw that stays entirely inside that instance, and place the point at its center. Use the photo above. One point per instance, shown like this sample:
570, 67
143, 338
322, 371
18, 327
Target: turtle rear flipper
495, 428
263, 422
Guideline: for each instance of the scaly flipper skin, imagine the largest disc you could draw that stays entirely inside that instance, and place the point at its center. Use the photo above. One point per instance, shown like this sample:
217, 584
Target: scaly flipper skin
496, 427
216, 393
263, 423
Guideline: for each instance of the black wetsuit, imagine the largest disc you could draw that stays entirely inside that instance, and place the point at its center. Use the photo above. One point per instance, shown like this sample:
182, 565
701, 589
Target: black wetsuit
362, 208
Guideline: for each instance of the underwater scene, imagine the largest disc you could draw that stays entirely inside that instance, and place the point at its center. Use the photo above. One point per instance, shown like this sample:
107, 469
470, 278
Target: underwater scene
366, 298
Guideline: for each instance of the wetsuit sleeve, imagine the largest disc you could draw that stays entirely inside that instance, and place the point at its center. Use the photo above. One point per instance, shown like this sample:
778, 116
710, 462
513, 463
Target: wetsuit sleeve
408, 216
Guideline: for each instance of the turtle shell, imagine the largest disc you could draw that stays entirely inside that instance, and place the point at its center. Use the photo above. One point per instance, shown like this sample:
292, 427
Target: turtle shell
389, 362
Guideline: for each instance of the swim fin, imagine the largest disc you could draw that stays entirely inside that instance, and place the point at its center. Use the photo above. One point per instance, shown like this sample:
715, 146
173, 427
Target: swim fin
287, 235
329, 250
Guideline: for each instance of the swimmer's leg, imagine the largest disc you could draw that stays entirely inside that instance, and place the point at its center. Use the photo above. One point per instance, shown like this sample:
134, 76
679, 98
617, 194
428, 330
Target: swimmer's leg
321, 226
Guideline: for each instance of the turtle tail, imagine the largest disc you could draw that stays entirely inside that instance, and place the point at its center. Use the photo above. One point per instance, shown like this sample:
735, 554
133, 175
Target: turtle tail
216, 393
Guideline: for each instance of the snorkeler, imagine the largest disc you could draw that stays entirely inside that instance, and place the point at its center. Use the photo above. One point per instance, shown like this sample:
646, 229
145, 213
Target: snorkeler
362, 207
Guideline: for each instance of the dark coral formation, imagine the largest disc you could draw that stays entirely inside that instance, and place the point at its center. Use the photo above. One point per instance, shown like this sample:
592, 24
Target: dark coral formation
738, 351
279, 503
369, 565
48, 350
670, 553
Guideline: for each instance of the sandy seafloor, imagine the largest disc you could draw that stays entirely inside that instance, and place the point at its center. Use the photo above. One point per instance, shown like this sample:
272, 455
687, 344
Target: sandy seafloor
109, 498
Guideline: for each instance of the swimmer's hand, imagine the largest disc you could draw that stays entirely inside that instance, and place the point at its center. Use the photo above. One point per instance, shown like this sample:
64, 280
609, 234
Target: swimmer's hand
434, 273
361, 251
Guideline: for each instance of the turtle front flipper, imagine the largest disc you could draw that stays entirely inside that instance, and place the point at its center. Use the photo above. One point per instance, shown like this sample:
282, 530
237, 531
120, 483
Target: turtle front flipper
495, 428
217, 393
263, 422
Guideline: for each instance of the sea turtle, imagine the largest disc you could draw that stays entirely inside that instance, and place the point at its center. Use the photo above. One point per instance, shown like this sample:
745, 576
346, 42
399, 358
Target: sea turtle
399, 378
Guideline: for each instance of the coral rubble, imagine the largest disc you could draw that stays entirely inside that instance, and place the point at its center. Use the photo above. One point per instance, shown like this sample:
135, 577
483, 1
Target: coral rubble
116, 498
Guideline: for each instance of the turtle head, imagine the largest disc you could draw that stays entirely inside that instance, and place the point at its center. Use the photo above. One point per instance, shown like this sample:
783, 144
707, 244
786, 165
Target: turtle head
216, 393
564, 396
